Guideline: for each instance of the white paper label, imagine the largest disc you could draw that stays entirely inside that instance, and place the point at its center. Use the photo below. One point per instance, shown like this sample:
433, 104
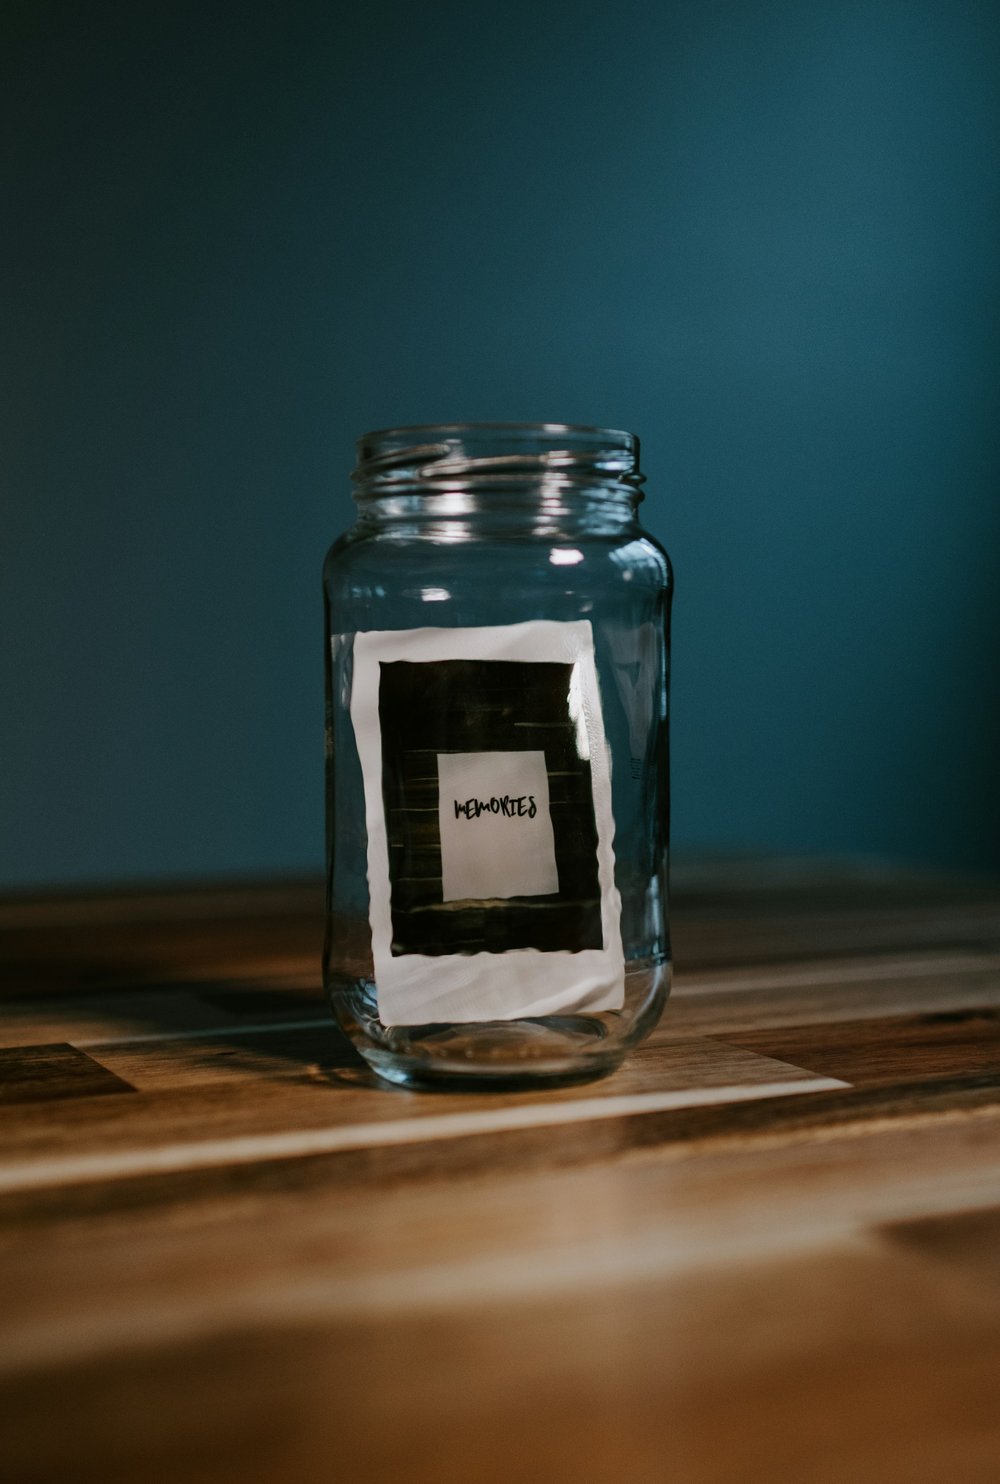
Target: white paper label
496, 829
490, 832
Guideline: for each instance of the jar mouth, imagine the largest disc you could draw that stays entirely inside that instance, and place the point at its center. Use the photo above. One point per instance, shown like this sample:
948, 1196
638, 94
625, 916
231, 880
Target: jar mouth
441, 457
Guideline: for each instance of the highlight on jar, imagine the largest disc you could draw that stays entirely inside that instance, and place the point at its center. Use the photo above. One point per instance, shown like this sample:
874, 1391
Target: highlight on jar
497, 659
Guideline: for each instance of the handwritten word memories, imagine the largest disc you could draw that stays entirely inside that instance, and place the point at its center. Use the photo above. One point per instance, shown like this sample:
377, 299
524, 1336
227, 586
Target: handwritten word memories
523, 807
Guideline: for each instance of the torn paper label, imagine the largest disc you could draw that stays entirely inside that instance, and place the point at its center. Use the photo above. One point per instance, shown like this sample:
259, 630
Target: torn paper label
490, 831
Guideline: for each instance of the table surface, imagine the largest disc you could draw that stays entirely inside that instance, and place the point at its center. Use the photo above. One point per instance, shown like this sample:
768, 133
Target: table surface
767, 1249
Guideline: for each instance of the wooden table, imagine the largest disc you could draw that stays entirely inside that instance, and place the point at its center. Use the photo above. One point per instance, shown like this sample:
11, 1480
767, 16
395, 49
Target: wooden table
766, 1250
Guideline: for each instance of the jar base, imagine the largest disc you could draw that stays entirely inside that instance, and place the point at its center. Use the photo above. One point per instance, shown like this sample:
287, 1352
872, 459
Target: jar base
439, 1076
501, 1055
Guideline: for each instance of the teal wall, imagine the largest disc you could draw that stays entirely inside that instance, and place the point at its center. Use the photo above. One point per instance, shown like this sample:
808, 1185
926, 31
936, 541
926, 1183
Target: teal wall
765, 236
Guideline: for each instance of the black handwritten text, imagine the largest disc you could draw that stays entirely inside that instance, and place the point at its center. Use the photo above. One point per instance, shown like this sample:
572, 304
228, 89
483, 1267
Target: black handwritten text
522, 808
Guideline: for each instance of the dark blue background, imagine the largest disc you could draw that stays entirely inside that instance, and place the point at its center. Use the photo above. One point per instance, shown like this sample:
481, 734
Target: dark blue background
762, 235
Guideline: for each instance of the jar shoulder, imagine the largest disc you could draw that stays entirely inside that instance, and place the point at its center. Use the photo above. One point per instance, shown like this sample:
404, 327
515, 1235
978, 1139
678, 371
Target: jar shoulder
631, 554
645, 555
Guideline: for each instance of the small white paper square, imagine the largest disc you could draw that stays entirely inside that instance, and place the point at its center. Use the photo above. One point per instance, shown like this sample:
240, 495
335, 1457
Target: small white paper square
496, 830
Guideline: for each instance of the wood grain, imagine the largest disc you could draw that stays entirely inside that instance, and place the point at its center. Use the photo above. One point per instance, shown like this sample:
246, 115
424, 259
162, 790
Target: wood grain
765, 1249
39, 1073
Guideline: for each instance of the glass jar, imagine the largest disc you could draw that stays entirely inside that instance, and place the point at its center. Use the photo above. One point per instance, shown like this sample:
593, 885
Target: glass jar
497, 640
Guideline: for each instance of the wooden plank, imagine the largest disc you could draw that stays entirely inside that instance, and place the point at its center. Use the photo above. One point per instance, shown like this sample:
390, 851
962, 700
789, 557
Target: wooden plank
143, 1013
43, 1074
888, 1051
968, 1241
380, 1249
826, 992
766, 1248
306, 1109
760, 912
689, 1329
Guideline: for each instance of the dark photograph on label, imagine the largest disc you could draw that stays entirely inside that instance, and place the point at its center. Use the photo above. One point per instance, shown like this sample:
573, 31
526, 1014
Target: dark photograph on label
489, 808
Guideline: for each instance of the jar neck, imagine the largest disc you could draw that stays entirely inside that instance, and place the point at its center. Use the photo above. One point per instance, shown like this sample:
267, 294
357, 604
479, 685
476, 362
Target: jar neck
502, 477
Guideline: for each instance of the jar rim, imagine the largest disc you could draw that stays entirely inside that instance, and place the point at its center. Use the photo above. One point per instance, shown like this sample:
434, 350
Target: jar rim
432, 456
592, 431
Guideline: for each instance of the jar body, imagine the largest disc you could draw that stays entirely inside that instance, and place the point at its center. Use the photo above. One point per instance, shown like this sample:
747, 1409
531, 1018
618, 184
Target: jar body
497, 784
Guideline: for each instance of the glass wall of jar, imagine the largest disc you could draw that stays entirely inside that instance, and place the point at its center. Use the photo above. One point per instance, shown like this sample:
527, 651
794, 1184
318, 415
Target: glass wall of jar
497, 642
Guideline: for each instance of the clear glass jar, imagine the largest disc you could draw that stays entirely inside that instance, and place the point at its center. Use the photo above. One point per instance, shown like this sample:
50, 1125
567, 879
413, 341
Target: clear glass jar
497, 641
